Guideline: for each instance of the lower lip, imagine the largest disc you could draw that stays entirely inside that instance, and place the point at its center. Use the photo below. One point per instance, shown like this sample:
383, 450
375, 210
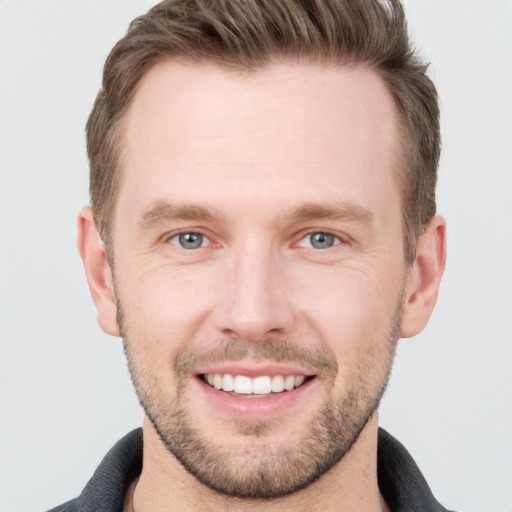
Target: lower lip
254, 407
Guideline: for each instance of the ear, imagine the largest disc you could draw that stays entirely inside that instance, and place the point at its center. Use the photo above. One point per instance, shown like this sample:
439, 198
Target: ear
423, 278
97, 271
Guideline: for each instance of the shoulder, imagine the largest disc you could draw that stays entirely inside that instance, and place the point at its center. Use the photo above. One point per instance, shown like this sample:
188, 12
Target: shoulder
106, 490
70, 506
400, 480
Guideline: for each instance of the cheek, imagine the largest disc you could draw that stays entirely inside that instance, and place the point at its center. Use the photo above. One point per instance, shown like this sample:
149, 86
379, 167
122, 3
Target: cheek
161, 317
352, 312
352, 297
165, 304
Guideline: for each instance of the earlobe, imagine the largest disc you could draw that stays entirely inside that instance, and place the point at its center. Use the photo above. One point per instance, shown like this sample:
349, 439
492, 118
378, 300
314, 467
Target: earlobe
97, 271
424, 278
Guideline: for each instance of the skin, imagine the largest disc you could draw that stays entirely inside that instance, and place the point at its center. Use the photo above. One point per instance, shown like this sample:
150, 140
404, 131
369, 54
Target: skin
257, 151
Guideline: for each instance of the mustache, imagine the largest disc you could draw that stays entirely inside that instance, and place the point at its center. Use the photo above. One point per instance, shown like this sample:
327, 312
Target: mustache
269, 349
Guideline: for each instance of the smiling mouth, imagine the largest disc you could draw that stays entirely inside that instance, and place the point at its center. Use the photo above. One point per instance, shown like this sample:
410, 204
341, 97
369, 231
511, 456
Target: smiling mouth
257, 387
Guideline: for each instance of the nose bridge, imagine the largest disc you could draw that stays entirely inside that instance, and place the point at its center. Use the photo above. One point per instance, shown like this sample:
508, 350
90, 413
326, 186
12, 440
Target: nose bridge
254, 303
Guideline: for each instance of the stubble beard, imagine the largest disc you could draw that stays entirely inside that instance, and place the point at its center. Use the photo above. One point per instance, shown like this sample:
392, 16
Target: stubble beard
259, 469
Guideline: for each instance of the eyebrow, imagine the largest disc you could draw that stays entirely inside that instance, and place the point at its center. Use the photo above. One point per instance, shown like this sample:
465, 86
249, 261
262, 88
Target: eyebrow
162, 211
345, 210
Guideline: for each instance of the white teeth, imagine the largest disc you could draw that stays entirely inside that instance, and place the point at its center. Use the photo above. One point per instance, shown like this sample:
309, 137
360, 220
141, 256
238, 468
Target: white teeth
262, 385
217, 381
243, 385
277, 384
228, 382
289, 382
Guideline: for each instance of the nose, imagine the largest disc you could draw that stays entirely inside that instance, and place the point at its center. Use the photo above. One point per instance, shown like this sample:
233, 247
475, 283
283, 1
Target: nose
254, 301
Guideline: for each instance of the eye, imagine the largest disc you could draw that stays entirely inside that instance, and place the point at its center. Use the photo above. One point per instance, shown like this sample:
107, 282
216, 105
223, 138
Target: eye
319, 240
189, 240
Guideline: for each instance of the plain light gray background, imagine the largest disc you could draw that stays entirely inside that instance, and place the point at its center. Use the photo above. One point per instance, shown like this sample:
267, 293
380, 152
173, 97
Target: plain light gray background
65, 392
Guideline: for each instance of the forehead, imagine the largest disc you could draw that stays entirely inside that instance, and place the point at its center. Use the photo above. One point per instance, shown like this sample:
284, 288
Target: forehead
303, 128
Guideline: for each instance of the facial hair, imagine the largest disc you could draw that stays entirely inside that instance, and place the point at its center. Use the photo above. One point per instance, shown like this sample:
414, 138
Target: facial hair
259, 469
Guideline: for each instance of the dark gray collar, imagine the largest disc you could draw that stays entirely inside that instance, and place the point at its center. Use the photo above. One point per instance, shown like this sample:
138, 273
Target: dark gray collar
400, 480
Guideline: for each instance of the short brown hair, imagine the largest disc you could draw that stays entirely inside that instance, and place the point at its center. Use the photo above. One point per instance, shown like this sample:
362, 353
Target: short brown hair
250, 34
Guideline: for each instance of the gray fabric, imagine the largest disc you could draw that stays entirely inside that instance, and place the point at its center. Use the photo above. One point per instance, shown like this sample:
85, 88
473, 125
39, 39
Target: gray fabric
106, 490
400, 480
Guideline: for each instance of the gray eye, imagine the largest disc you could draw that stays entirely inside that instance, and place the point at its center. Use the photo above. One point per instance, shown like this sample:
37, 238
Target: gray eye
322, 240
190, 240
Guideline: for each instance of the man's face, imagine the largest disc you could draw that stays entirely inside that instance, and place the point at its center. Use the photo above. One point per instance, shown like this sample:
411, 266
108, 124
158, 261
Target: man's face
259, 266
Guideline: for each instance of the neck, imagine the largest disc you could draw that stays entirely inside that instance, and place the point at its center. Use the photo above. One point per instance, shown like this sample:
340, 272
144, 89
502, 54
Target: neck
165, 485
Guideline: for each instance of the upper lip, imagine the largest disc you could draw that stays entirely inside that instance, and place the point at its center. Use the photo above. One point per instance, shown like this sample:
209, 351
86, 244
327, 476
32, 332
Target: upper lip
255, 370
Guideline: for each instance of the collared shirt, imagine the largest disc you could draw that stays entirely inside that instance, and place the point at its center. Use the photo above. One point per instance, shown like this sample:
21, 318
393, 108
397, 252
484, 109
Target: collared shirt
400, 481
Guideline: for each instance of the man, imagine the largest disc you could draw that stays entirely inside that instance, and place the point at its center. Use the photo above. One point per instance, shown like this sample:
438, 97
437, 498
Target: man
262, 232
